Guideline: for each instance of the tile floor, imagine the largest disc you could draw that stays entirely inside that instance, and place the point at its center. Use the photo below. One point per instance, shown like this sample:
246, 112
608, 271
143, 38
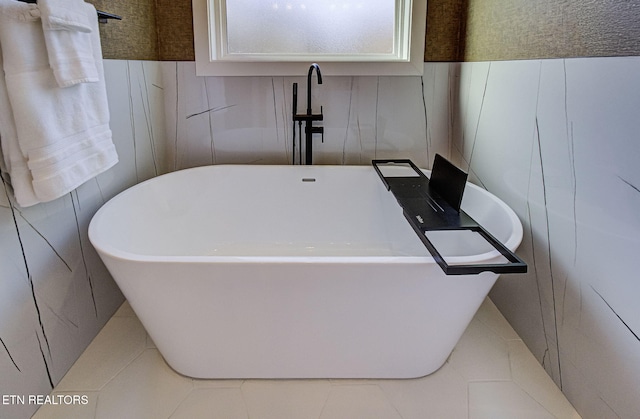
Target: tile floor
490, 374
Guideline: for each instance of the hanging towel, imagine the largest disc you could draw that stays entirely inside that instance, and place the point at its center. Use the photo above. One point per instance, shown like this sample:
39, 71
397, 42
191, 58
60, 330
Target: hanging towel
63, 134
68, 38
64, 15
12, 161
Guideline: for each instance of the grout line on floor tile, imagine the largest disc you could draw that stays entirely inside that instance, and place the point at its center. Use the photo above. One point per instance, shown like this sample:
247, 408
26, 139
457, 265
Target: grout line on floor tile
182, 401
100, 388
468, 400
509, 360
122, 369
390, 402
337, 382
326, 399
533, 398
244, 401
497, 331
95, 413
492, 380
202, 381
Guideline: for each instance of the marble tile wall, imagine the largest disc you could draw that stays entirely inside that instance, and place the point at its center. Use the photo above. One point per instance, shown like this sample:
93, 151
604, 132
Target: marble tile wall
55, 293
216, 120
559, 141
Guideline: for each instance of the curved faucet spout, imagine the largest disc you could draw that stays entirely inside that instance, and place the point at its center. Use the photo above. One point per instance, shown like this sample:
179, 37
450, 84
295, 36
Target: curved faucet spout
317, 68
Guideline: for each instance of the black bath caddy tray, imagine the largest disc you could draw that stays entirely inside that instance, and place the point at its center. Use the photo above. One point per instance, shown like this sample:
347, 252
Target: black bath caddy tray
434, 205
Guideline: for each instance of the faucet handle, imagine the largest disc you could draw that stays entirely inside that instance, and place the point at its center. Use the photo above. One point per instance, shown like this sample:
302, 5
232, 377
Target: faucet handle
321, 128
318, 130
315, 130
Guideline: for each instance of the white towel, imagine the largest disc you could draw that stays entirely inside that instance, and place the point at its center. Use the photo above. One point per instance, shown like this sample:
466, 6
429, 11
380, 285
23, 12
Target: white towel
67, 35
13, 161
63, 135
64, 15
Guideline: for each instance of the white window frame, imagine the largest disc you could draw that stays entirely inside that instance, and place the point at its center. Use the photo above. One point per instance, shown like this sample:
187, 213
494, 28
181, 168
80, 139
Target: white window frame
211, 60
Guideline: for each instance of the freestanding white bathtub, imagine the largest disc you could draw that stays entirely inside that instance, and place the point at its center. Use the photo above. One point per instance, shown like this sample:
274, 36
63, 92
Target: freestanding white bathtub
291, 272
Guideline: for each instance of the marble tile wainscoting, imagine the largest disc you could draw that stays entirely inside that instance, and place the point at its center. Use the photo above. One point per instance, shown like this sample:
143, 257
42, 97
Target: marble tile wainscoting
55, 293
559, 142
221, 120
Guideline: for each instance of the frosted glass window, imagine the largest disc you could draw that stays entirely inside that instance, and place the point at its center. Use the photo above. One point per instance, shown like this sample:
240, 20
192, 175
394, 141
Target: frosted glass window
296, 30
281, 37
310, 27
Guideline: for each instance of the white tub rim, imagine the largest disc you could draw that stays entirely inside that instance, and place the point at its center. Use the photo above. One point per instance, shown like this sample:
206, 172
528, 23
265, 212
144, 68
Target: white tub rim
112, 251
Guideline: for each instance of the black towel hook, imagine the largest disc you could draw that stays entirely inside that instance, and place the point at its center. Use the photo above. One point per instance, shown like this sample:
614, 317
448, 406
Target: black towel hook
103, 17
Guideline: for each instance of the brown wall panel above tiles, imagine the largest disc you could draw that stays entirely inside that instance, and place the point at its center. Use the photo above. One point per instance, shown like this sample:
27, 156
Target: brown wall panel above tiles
175, 30
483, 30
457, 30
446, 21
132, 38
